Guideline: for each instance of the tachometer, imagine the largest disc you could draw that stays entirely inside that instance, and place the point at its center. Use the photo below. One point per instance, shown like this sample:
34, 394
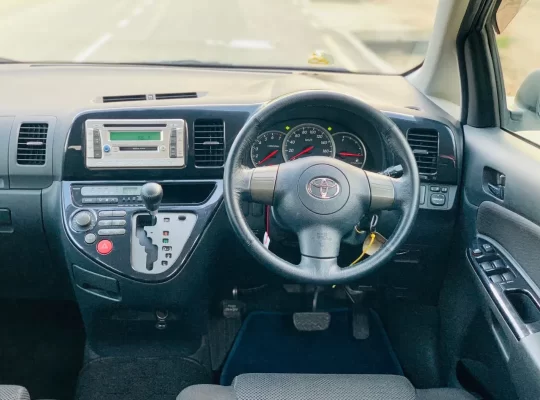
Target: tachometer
350, 149
266, 150
308, 140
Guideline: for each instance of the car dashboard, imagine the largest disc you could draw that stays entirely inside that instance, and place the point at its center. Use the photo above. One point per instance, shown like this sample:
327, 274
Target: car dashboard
72, 166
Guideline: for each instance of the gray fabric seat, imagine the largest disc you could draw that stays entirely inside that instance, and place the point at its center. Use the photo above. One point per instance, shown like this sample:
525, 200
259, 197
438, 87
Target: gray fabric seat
13, 392
319, 387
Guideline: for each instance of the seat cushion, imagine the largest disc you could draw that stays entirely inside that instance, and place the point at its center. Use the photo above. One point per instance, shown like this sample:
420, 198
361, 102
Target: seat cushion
319, 387
13, 392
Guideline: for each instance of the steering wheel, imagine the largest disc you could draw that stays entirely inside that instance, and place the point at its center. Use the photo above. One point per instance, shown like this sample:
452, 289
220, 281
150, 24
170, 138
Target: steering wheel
321, 199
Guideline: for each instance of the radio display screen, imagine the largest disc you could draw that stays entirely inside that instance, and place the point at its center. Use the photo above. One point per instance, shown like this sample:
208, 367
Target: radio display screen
135, 135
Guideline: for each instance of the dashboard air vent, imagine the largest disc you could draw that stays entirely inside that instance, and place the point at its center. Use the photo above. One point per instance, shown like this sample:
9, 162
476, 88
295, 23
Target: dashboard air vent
32, 144
149, 97
425, 146
131, 97
209, 143
168, 96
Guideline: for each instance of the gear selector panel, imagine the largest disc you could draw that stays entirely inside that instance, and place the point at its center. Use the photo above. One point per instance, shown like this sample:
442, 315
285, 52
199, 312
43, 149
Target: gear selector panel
155, 248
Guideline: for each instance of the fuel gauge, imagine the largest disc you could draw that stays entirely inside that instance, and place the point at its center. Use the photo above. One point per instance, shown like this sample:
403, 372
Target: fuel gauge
350, 149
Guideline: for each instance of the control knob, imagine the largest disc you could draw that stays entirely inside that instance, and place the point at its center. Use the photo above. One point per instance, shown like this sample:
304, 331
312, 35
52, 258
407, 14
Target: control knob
82, 220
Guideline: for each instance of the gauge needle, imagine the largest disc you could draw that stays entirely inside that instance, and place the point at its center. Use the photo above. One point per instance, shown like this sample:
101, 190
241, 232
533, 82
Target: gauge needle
306, 150
347, 154
269, 156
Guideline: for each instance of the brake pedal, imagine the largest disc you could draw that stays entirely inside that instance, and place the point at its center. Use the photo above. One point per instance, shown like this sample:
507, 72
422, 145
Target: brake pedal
311, 321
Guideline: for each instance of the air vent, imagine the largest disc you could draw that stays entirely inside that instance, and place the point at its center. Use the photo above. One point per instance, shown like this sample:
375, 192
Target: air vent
132, 97
149, 97
425, 146
209, 143
168, 96
32, 144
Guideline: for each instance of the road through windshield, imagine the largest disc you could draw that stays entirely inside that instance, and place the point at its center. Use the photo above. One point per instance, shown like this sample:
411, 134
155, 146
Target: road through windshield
380, 36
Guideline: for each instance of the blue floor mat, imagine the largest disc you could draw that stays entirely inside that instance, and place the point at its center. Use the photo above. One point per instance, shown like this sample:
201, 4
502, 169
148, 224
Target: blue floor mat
269, 342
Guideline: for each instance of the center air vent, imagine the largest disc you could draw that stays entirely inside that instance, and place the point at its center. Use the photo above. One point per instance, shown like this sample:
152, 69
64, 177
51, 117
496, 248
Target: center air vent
150, 97
132, 97
168, 96
425, 146
209, 143
32, 144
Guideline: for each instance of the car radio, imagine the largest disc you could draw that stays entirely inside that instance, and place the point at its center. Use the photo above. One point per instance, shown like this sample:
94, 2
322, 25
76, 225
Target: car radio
112, 144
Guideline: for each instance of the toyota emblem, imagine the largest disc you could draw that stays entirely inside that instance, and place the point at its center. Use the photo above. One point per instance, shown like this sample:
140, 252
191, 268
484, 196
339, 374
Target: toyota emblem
323, 188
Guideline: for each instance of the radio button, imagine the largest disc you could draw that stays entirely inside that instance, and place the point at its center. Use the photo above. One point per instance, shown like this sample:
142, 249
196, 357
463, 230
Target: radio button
105, 222
90, 238
106, 148
89, 200
111, 232
118, 213
120, 222
106, 213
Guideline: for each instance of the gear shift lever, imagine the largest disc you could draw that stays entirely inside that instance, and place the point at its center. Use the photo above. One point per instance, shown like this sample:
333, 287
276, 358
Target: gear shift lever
152, 193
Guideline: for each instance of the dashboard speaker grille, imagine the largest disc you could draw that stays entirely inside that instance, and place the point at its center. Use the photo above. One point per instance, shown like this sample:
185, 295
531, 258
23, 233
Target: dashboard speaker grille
425, 146
32, 144
209, 143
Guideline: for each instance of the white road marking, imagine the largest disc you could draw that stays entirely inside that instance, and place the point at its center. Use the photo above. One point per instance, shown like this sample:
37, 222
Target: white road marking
338, 54
213, 42
123, 23
137, 11
93, 48
251, 44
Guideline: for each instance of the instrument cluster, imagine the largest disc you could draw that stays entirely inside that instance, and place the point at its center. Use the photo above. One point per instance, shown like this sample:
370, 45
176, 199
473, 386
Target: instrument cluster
291, 140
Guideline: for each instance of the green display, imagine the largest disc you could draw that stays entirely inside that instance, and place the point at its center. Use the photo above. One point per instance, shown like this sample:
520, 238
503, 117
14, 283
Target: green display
135, 135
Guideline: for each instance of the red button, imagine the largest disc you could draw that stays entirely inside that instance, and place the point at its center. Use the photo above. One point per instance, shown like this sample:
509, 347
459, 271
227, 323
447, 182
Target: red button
104, 247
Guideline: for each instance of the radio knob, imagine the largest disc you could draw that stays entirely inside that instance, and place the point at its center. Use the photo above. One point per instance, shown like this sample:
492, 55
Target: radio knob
106, 148
82, 220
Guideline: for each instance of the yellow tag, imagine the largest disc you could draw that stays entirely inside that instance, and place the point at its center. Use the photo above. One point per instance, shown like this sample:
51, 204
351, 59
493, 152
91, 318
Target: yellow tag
375, 246
320, 57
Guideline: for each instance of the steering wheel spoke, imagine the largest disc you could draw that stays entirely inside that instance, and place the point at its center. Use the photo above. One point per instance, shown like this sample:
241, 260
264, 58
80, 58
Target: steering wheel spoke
256, 184
387, 193
319, 241
319, 268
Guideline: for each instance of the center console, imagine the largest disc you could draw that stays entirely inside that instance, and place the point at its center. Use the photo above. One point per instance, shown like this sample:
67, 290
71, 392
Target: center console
123, 228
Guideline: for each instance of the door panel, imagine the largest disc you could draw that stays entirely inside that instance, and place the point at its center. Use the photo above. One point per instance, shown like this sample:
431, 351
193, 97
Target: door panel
504, 213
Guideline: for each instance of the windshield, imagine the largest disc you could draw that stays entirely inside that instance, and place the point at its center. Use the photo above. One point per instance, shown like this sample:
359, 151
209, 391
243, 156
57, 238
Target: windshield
379, 36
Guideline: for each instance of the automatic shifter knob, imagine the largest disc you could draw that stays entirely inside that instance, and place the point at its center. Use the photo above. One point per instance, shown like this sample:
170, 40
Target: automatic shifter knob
152, 193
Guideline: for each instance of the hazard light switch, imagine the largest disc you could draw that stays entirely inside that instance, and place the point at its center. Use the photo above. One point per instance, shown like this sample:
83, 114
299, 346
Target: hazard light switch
104, 247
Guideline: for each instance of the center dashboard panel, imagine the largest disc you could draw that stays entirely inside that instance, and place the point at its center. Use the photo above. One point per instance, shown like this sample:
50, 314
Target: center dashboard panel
111, 154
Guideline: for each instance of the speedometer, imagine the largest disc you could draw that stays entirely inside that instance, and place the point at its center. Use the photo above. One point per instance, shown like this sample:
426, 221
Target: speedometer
308, 140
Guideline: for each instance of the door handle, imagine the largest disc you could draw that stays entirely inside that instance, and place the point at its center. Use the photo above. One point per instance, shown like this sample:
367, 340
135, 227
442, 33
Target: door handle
495, 182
